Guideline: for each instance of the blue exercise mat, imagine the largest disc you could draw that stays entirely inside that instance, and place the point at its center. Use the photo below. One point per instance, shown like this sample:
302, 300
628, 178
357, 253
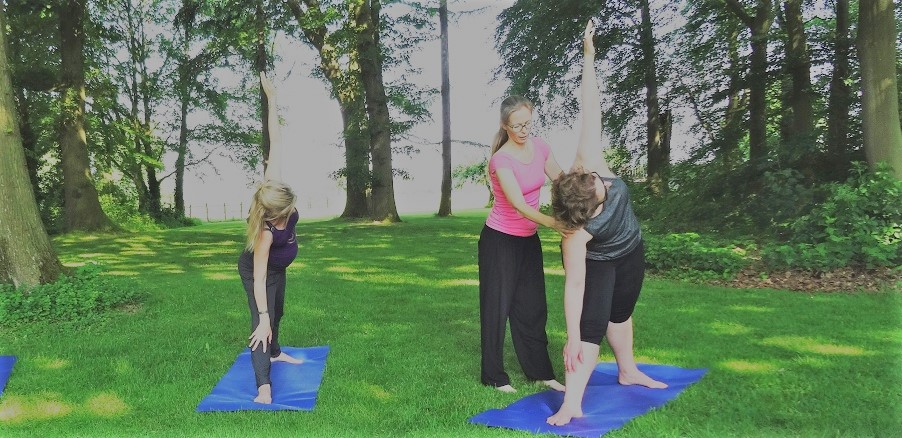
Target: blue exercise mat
607, 405
6, 368
294, 387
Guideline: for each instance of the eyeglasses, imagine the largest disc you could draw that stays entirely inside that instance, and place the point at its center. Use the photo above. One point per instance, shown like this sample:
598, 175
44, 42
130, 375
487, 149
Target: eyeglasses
520, 126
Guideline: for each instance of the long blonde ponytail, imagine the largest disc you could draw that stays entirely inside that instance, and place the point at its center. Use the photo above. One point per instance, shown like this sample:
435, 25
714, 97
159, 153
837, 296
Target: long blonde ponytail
272, 201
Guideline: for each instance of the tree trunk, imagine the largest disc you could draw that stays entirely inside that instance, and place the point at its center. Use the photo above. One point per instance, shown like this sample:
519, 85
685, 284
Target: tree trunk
736, 106
840, 98
798, 65
666, 135
347, 89
379, 123
80, 199
154, 205
444, 208
357, 158
879, 90
182, 151
26, 256
658, 158
758, 26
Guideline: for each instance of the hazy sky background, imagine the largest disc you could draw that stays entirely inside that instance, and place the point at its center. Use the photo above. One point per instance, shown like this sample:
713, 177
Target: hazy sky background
312, 128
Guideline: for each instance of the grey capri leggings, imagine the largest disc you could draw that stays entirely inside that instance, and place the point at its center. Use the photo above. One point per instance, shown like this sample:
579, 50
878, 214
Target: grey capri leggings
612, 290
275, 301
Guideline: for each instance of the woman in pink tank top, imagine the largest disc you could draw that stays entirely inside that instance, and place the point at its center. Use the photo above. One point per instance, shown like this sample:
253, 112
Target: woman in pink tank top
511, 275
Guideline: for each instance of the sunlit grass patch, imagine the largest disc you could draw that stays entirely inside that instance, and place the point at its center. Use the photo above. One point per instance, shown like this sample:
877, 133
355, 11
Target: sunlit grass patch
459, 282
802, 344
753, 367
106, 405
729, 328
48, 363
221, 276
749, 308
18, 409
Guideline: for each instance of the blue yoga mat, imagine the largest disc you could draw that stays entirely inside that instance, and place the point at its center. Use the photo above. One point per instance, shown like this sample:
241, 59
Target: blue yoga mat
607, 405
294, 387
6, 368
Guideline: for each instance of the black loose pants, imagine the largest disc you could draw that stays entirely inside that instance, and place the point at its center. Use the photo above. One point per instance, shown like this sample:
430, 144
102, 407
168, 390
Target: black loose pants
512, 285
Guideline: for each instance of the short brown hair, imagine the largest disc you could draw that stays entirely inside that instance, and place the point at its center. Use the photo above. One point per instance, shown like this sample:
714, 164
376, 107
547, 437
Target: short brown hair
573, 198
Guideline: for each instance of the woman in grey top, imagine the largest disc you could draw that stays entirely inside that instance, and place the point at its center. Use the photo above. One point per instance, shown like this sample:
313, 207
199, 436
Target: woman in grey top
604, 259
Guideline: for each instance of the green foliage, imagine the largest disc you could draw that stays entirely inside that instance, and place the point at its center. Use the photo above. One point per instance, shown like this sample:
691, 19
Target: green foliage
704, 198
82, 296
474, 173
785, 195
690, 256
125, 213
859, 224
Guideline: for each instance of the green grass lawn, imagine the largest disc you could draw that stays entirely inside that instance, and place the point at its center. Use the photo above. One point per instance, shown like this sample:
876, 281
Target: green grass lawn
398, 306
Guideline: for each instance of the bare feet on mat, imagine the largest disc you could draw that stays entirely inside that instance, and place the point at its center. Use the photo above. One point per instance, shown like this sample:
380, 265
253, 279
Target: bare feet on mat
264, 394
564, 415
639, 378
282, 357
506, 388
554, 384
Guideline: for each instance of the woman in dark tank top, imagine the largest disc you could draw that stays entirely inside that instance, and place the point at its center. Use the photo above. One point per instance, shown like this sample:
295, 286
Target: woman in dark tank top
604, 260
270, 247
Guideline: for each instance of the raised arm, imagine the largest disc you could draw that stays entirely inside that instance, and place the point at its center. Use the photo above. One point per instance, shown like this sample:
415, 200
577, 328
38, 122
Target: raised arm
274, 160
590, 152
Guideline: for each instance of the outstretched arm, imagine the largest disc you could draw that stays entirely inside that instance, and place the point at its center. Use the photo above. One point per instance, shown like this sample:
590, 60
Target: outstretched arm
274, 160
590, 152
514, 195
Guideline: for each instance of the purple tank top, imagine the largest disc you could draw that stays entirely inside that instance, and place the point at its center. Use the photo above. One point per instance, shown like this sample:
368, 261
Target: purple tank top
284, 246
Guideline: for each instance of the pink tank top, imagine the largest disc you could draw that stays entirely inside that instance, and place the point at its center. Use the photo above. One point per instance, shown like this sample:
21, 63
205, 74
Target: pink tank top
530, 176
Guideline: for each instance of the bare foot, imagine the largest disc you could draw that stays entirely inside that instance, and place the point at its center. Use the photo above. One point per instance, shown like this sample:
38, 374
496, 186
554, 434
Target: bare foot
639, 378
282, 357
264, 394
564, 415
506, 388
554, 384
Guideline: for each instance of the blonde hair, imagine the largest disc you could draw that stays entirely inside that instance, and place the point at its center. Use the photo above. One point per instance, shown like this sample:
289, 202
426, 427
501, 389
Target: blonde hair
272, 201
573, 198
508, 106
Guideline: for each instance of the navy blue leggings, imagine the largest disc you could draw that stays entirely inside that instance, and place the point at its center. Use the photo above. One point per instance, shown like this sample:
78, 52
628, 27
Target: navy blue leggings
275, 301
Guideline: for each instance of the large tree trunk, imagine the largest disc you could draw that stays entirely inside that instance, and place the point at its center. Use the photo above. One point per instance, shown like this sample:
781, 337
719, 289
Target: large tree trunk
658, 156
840, 98
800, 126
155, 198
357, 157
879, 90
80, 199
379, 123
347, 90
731, 131
759, 26
26, 255
444, 208
180, 158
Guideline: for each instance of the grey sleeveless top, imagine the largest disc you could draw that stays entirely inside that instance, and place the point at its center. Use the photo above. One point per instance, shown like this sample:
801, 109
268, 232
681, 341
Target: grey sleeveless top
615, 231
